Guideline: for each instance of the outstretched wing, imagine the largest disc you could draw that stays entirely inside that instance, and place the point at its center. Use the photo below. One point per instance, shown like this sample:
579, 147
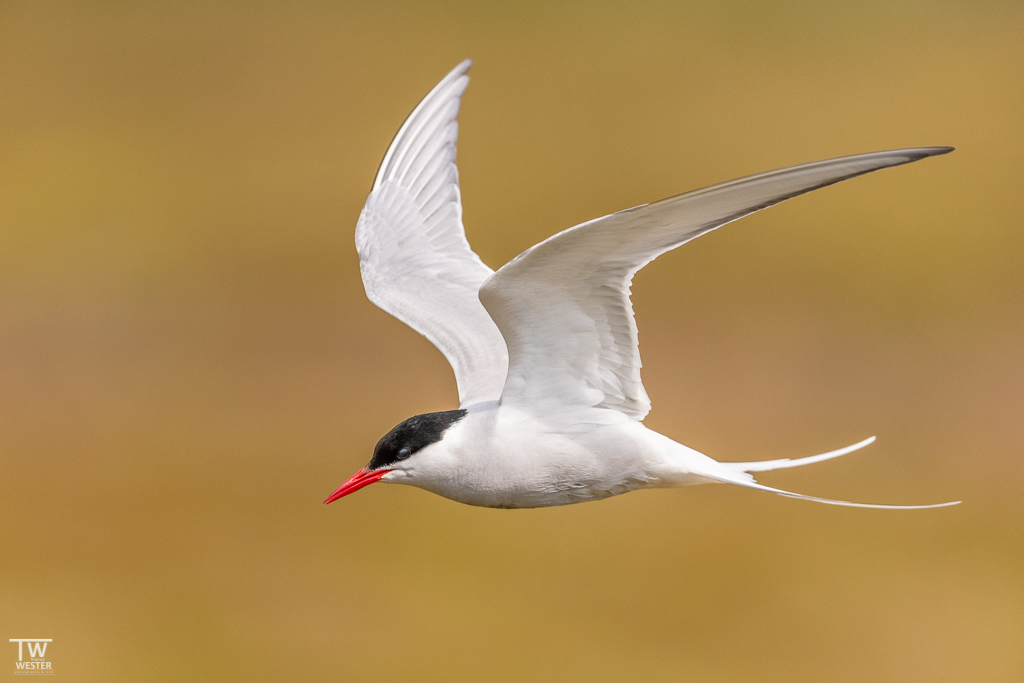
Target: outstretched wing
413, 254
563, 305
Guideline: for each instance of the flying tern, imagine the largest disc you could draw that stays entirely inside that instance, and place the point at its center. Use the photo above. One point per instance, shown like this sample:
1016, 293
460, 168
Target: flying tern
545, 349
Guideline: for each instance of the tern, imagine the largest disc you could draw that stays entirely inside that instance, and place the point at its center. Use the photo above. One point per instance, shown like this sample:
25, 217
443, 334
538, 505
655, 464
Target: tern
545, 349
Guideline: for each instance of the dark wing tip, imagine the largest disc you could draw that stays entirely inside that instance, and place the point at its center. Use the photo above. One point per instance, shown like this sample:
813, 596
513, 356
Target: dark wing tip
935, 151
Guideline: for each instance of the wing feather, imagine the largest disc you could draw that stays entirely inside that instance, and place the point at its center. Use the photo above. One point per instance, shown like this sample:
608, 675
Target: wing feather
563, 305
413, 254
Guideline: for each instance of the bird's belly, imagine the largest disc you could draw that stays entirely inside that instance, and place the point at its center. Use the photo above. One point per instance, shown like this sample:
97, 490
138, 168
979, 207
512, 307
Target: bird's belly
524, 496
544, 472
544, 495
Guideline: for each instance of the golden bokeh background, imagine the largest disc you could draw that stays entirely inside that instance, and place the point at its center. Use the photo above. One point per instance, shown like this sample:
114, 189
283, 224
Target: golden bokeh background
188, 365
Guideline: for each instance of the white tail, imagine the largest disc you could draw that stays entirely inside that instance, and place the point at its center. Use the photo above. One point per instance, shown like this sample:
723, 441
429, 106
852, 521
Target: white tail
743, 479
766, 465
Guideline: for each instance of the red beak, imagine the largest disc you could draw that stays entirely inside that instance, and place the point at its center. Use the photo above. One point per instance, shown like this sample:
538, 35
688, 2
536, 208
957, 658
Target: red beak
355, 482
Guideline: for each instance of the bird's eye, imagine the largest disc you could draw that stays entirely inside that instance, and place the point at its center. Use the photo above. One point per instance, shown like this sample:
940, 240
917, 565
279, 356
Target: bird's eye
404, 453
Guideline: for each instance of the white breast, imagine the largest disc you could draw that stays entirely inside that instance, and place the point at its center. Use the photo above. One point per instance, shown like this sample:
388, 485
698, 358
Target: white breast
503, 457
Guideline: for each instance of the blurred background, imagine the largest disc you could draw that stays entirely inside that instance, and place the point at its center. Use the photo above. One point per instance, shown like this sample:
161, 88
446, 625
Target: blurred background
189, 366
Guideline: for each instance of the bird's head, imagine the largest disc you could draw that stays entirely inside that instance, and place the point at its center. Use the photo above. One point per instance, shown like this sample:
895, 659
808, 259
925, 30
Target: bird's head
400, 451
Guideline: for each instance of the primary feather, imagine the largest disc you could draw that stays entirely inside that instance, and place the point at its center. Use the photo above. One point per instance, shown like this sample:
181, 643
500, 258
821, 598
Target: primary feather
413, 254
563, 305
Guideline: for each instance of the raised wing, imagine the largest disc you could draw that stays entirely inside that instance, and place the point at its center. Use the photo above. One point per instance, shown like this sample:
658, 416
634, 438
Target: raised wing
413, 254
563, 305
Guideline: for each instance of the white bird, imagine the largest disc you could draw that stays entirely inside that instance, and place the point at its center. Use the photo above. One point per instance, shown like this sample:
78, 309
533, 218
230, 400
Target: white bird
545, 349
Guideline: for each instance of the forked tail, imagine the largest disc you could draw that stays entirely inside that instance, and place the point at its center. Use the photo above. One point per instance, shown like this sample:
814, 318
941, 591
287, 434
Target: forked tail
766, 465
740, 477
